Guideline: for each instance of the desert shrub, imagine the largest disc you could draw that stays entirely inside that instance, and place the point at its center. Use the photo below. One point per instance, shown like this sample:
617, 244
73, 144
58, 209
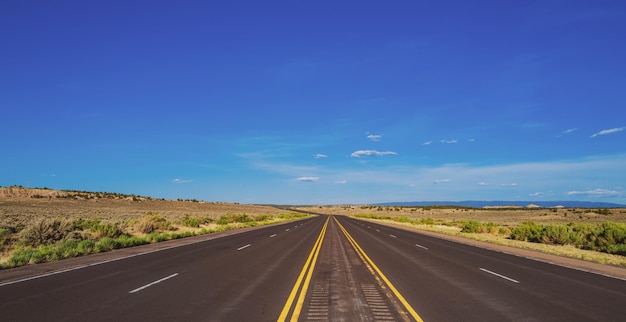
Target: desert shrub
106, 230
608, 237
427, 221
234, 218
5, 236
528, 231
471, 226
153, 222
195, 222
190, 222
46, 232
403, 219
265, 217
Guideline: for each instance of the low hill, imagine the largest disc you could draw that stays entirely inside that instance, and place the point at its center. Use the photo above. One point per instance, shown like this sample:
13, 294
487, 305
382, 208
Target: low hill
513, 204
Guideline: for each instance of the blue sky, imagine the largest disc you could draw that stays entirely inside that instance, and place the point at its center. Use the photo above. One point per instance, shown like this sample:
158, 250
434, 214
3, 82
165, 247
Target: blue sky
316, 102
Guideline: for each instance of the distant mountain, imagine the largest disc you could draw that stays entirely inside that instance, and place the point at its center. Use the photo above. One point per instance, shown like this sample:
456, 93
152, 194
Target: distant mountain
482, 204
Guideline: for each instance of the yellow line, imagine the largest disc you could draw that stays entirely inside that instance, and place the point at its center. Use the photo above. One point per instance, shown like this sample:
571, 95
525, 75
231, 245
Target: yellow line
305, 287
312, 257
380, 273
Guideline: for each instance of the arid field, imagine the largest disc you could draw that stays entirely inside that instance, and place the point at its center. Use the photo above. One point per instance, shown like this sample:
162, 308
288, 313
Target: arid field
501, 216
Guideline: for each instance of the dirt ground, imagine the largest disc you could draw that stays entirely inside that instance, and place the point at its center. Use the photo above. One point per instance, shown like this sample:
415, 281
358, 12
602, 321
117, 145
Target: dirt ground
24, 211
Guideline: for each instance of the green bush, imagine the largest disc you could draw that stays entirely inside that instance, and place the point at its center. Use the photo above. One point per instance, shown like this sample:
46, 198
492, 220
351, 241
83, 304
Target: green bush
471, 226
107, 244
86, 246
24, 256
528, 231
608, 237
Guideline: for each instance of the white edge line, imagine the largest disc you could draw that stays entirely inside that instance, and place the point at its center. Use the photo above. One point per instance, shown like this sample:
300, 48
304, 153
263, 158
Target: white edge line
420, 246
244, 247
499, 275
155, 282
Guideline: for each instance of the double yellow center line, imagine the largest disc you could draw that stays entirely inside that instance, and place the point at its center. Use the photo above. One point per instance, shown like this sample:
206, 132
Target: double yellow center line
302, 283
379, 274
304, 279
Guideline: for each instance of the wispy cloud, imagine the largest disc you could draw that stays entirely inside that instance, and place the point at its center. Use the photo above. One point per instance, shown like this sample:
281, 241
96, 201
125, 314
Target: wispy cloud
536, 194
483, 184
320, 156
375, 137
370, 153
568, 131
438, 181
180, 181
341, 182
471, 140
609, 131
596, 193
428, 142
514, 184
307, 179
449, 141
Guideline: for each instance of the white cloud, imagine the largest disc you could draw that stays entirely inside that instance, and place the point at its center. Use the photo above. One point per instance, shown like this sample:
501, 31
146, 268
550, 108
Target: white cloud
428, 142
320, 156
307, 179
449, 141
341, 182
483, 184
179, 181
514, 184
609, 131
568, 131
438, 181
375, 137
536, 194
471, 140
596, 193
370, 153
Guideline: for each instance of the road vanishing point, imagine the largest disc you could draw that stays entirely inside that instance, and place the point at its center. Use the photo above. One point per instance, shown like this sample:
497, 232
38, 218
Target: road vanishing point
322, 268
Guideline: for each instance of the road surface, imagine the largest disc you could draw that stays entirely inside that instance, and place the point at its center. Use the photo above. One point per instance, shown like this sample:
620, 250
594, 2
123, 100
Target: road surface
326, 268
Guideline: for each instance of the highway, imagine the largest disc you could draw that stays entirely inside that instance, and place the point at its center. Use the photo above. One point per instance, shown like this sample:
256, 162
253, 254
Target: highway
326, 268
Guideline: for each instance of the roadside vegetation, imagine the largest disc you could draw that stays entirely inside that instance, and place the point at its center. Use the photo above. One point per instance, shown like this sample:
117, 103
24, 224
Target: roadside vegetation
55, 239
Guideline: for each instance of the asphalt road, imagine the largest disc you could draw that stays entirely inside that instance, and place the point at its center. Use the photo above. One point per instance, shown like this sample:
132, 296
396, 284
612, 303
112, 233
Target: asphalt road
344, 269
